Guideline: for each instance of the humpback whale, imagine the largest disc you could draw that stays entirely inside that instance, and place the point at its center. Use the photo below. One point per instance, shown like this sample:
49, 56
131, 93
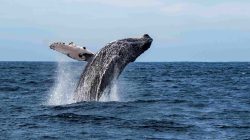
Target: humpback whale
106, 66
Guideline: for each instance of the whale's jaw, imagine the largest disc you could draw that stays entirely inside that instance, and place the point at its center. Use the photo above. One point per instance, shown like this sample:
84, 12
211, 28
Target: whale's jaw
107, 65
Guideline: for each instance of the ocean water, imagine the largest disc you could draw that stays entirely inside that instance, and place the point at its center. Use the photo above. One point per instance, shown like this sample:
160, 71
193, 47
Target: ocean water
149, 101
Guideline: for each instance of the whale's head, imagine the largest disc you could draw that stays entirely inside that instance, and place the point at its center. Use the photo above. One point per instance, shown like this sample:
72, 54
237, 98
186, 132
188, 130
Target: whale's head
134, 47
146, 41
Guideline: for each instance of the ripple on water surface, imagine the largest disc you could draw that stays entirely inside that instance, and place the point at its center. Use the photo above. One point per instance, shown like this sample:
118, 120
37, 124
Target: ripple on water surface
156, 101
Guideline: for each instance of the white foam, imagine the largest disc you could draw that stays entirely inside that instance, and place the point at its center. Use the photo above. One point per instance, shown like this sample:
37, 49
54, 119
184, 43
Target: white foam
63, 89
111, 95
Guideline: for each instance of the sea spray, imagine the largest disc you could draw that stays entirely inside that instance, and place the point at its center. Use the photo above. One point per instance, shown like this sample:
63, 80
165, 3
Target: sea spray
66, 78
111, 94
63, 89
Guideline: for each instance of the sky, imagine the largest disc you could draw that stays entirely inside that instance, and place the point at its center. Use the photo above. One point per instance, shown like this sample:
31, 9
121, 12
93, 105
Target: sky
183, 30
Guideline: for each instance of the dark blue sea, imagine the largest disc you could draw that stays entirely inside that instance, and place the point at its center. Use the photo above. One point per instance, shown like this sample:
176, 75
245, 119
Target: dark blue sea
149, 101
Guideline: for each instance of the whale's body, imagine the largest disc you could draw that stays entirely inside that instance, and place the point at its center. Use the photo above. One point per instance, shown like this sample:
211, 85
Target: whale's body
106, 66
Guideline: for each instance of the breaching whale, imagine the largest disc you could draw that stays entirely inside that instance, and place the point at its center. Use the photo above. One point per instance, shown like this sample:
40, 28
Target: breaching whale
107, 65
104, 67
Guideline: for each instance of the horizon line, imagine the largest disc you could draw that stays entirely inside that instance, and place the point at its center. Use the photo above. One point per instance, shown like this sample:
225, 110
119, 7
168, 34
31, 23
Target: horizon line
134, 62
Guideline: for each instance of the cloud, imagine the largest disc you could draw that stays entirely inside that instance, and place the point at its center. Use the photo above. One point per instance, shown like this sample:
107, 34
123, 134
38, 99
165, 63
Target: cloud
226, 9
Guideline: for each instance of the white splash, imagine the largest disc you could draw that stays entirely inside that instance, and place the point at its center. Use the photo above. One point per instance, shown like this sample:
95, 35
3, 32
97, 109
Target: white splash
111, 95
63, 90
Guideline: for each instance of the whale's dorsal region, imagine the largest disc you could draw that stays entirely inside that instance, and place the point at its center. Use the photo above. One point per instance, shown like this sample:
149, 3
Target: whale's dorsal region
72, 51
107, 65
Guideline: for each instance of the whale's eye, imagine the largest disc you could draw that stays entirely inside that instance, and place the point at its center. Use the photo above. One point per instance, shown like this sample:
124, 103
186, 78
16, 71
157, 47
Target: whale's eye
84, 48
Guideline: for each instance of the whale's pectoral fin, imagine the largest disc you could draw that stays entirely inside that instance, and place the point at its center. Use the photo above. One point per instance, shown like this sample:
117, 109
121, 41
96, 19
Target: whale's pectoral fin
86, 56
70, 56
60, 47
72, 51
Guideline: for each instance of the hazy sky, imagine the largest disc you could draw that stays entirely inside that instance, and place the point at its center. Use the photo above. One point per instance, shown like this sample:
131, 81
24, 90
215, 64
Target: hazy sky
183, 30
